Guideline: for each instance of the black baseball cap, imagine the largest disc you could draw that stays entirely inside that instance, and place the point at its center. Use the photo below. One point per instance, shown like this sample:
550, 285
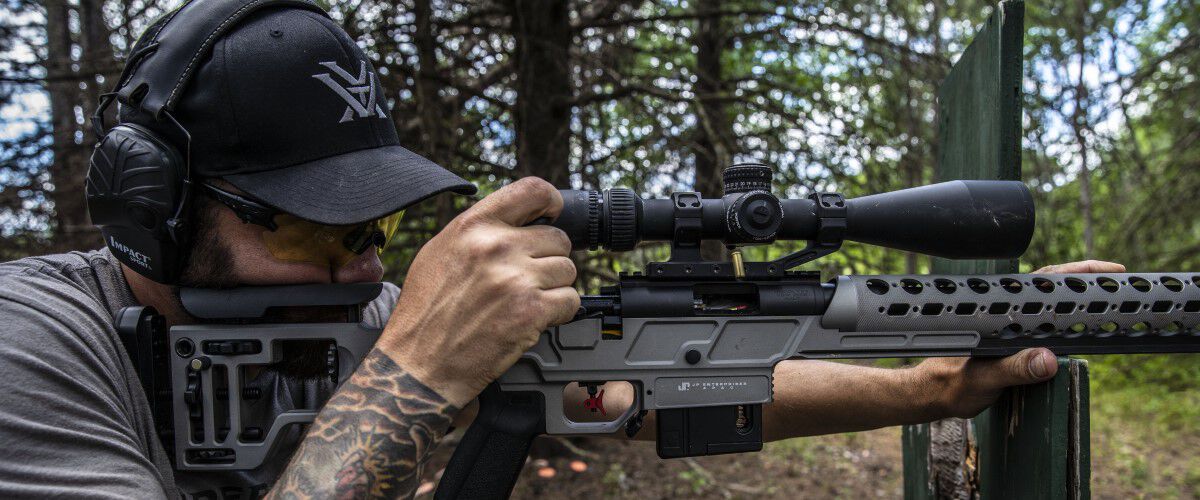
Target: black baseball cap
289, 109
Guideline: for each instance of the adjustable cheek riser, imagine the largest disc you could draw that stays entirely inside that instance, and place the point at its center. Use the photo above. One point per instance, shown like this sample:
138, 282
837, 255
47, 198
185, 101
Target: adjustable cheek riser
134, 192
209, 413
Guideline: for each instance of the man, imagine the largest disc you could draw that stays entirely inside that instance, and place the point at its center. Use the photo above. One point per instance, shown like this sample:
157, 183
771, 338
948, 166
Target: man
270, 129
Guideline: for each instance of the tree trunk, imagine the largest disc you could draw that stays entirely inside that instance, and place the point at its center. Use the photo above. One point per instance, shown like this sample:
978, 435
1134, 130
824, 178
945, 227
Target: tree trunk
98, 67
436, 127
1079, 123
542, 33
72, 229
714, 133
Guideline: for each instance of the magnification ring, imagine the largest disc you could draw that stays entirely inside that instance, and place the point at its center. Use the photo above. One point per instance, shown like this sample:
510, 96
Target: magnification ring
593, 220
621, 219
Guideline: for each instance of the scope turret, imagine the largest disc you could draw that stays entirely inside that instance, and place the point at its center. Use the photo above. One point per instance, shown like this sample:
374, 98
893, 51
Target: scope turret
956, 220
746, 177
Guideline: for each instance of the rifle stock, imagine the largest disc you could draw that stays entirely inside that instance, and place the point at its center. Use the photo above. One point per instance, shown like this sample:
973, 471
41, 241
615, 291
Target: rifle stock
703, 354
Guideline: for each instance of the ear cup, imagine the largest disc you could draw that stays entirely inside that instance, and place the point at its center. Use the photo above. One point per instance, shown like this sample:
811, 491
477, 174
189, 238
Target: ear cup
134, 190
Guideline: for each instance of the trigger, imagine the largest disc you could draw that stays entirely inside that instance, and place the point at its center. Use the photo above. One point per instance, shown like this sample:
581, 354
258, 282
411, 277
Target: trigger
595, 403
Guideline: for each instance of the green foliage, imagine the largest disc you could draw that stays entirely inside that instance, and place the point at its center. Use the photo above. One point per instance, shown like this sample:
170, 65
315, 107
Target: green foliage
1156, 389
834, 94
1145, 417
696, 481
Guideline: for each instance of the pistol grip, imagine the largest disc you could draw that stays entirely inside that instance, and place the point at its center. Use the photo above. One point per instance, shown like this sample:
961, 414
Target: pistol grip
489, 458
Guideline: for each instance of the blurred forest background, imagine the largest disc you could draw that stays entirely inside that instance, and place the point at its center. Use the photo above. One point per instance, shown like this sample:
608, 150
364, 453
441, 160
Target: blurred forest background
659, 95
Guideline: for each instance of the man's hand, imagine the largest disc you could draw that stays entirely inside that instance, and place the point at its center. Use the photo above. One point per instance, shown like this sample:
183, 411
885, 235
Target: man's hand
477, 296
480, 292
963, 387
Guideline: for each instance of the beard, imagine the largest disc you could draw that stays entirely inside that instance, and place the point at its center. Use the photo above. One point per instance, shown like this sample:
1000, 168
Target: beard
208, 266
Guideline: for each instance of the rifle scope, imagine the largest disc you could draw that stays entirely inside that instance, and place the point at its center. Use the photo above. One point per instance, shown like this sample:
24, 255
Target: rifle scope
955, 220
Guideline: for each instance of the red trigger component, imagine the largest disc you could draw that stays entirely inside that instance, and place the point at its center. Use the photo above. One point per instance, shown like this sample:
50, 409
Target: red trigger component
595, 403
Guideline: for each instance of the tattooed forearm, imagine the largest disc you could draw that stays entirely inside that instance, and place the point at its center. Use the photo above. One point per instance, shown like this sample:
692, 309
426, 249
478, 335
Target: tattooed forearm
370, 439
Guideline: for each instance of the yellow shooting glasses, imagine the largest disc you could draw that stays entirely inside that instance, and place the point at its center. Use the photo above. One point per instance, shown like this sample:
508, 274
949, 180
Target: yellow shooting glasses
292, 239
299, 240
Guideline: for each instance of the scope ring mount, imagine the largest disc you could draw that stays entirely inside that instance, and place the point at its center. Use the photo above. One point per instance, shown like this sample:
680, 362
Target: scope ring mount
685, 262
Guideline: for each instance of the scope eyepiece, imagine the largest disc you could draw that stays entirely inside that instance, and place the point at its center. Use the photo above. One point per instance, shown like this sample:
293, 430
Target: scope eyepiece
594, 220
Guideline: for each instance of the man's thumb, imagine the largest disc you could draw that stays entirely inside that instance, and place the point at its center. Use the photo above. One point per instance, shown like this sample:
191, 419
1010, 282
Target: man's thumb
1029, 366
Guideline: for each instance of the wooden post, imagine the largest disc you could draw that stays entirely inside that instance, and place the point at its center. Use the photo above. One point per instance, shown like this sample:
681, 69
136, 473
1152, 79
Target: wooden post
1034, 443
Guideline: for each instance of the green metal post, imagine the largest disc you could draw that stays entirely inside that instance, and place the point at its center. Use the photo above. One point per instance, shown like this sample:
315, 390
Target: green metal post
1034, 442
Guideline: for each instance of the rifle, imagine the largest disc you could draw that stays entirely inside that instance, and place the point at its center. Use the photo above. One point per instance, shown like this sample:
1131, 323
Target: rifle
698, 340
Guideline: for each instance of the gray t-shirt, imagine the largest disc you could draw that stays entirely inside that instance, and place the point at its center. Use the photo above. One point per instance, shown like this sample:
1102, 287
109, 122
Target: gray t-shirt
73, 417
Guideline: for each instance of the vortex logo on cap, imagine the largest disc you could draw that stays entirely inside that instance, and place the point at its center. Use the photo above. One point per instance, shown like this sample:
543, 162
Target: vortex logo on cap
359, 93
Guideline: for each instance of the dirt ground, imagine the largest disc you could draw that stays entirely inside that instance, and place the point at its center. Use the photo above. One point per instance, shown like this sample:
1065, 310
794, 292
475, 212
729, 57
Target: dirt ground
859, 465
1126, 463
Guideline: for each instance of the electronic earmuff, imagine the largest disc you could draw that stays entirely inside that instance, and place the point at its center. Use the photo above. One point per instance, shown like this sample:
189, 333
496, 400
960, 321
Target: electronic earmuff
138, 184
136, 192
